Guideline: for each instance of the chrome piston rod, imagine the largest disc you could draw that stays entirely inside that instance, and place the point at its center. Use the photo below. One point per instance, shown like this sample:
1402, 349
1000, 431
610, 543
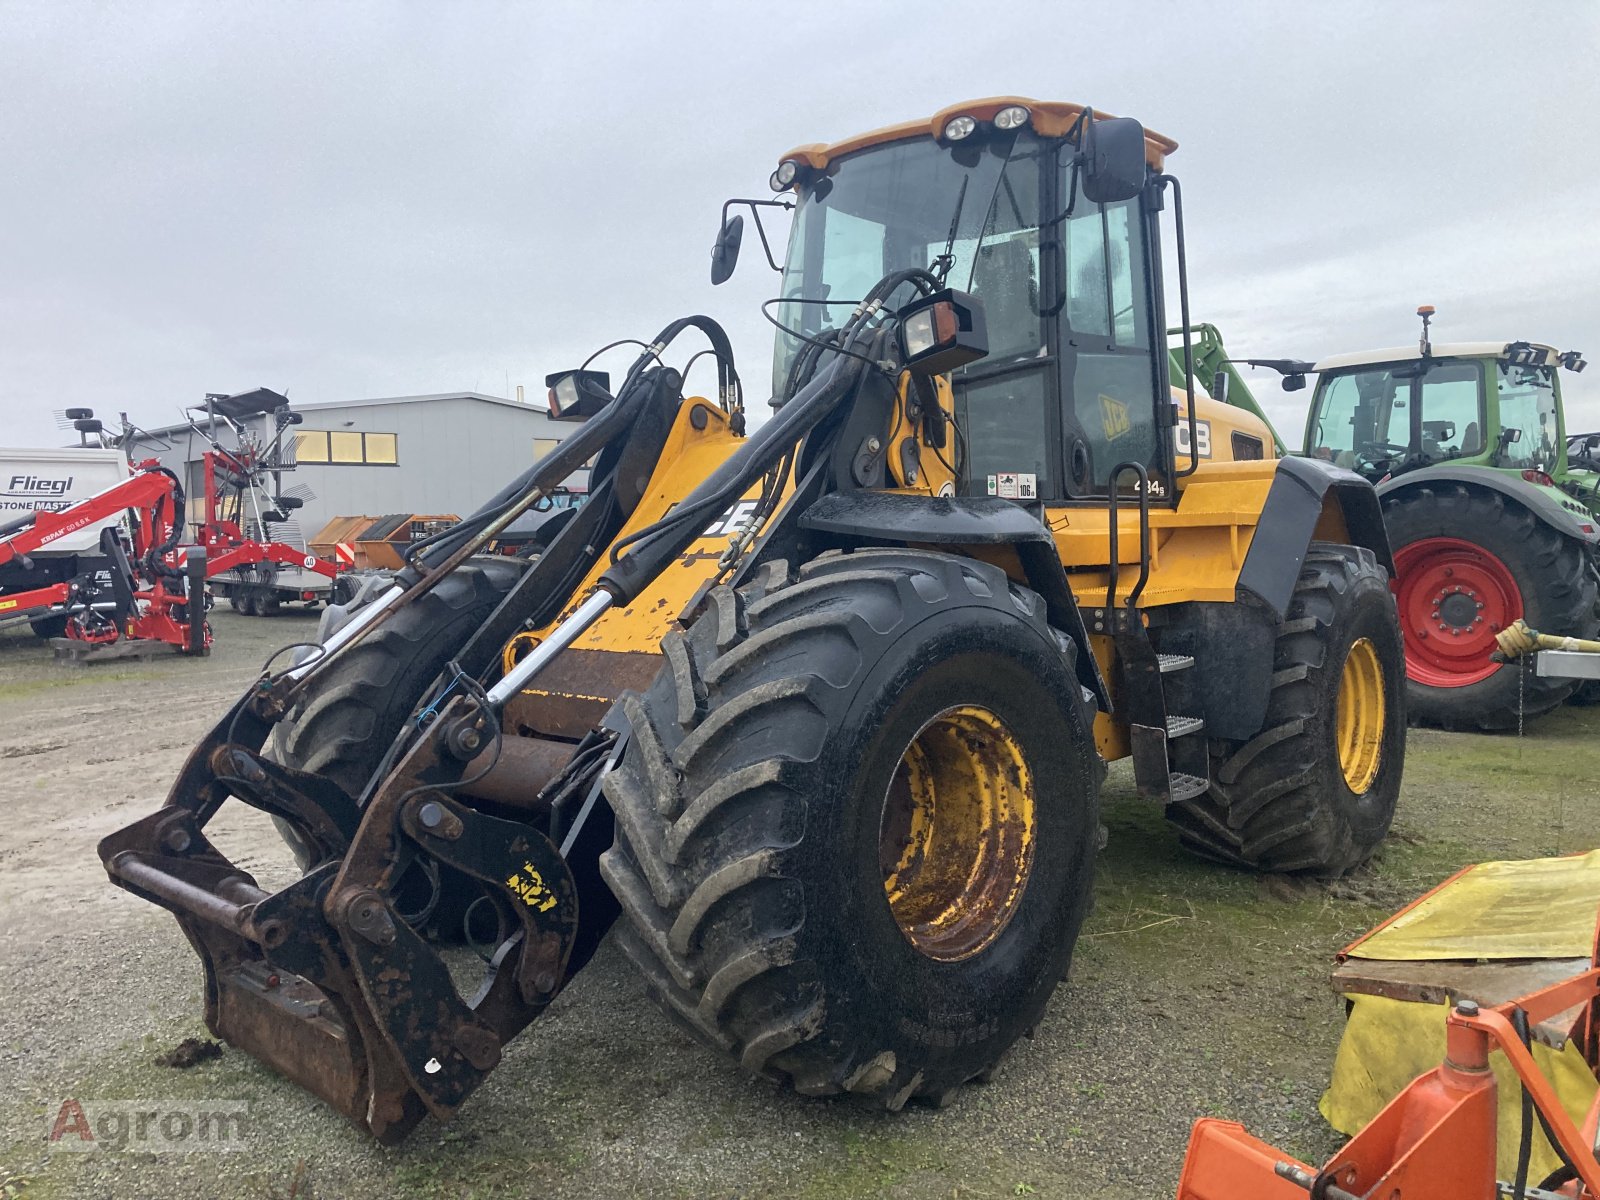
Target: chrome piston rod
562, 636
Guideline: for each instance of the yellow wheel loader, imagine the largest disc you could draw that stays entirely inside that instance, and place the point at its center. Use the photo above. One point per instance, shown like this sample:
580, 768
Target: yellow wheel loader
821, 709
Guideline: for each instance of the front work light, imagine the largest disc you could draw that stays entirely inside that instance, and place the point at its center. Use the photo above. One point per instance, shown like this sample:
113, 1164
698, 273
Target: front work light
1013, 116
941, 332
957, 128
578, 395
783, 178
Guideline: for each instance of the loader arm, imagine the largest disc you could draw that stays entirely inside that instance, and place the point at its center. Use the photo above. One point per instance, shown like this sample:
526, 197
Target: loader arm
386, 1053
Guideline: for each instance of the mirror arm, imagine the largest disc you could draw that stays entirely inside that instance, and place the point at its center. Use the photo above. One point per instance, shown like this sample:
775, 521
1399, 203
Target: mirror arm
760, 228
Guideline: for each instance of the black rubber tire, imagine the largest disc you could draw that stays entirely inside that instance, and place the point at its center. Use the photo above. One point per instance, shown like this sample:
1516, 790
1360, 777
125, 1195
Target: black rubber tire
267, 603
748, 807
1279, 801
247, 600
1553, 573
233, 598
46, 628
350, 715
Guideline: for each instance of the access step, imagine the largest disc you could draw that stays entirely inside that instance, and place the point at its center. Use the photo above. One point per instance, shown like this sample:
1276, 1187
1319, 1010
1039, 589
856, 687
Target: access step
1187, 787
1174, 662
1179, 726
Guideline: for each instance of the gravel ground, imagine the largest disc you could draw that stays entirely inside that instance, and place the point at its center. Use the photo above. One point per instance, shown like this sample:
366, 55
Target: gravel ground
1195, 991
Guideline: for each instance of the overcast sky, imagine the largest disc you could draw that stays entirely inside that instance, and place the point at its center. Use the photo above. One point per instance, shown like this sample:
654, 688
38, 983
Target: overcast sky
344, 200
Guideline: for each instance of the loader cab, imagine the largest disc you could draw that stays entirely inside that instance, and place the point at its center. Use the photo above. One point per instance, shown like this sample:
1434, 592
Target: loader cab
1493, 405
991, 198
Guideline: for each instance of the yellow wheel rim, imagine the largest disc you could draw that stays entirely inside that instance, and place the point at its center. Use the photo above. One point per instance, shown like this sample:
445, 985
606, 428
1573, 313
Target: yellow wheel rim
1360, 720
955, 841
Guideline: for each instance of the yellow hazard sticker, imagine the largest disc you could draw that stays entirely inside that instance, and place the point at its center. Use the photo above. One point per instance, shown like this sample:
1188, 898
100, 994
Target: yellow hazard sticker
1114, 418
5, 604
529, 886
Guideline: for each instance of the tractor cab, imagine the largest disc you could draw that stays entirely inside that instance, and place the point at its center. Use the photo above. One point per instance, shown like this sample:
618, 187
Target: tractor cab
1490, 404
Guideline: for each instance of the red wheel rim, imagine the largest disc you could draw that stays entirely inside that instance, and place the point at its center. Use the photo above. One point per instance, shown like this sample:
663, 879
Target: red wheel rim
1453, 598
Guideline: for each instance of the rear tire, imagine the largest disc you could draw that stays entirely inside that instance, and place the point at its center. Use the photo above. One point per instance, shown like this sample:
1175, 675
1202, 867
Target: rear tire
1286, 800
757, 836
1549, 582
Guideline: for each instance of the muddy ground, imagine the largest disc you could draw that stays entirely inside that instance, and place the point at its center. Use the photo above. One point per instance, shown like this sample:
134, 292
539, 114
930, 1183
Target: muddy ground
1195, 991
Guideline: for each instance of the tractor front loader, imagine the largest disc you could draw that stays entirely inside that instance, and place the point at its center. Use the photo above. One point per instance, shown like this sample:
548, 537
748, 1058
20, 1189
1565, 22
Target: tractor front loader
822, 710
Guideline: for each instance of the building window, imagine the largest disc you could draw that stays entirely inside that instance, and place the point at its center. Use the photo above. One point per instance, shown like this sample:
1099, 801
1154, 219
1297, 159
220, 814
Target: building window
345, 446
544, 446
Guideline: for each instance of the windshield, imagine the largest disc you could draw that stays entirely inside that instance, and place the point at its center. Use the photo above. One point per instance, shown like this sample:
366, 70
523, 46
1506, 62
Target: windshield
1528, 404
1373, 419
886, 209
1068, 388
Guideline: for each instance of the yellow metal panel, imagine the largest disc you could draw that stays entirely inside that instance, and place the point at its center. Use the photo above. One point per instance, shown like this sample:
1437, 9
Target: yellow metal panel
689, 456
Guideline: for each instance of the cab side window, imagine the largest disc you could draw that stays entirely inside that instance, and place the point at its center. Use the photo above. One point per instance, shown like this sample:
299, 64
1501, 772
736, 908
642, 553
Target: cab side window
1107, 354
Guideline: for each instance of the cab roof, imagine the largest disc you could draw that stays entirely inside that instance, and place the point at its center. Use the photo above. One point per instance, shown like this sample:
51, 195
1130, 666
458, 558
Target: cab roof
1050, 119
1364, 358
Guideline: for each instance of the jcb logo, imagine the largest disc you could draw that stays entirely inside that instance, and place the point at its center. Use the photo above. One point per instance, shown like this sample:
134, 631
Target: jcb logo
1202, 436
733, 520
1114, 419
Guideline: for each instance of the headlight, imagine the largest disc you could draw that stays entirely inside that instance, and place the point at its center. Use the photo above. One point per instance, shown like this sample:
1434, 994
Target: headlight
1013, 116
957, 128
784, 176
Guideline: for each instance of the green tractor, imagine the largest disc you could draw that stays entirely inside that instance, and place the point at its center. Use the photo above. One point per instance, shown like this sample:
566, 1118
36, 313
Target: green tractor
1490, 513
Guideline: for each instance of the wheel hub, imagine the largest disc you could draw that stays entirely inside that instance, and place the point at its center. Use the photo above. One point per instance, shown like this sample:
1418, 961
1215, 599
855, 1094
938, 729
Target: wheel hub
1360, 714
955, 840
1453, 597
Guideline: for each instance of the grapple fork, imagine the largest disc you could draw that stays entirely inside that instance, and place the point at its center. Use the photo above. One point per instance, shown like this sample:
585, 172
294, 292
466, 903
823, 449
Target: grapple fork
324, 981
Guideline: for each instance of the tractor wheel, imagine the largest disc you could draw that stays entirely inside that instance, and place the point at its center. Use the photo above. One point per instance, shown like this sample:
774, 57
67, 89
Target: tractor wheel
1315, 790
343, 726
46, 628
233, 598
267, 603
1467, 564
247, 599
856, 823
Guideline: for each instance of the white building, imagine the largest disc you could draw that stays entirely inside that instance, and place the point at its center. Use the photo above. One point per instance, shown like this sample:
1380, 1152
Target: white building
435, 454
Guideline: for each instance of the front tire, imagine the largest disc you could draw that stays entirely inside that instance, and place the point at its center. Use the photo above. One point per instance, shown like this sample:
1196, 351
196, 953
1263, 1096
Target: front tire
856, 823
1315, 791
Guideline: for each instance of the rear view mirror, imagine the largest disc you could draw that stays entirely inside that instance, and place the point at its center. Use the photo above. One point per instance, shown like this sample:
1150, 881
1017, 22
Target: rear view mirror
1219, 387
1113, 160
725, 254
289, 503
1293, 383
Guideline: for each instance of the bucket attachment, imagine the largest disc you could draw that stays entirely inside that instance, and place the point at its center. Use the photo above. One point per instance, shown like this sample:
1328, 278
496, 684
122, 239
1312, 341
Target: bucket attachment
324, 981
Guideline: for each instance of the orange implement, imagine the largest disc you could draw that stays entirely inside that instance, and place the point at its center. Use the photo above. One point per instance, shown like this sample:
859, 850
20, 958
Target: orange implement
1436, 1139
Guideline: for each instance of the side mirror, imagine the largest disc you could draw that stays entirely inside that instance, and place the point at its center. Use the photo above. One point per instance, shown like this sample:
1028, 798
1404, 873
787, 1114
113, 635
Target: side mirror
1592, 441
289, 503
941, 332
1511, 436
725, 254
78, 414
1113, 160
1293, 383
286, 417
1219, 387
